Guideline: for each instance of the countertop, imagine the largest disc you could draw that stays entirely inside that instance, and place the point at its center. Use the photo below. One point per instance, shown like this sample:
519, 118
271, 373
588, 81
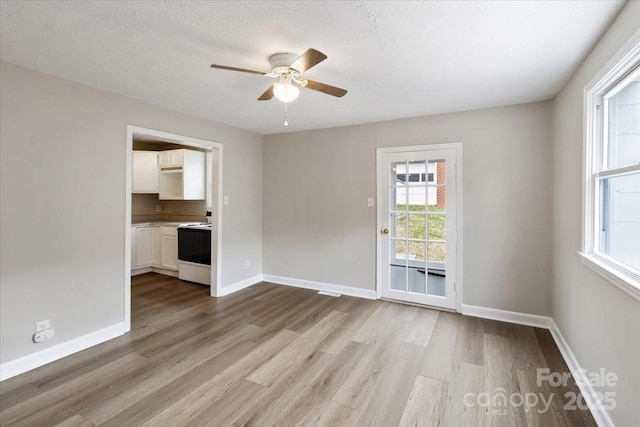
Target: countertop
162, 223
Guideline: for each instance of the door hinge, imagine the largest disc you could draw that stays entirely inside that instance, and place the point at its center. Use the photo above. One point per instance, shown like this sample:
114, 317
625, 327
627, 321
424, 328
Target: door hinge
454, 286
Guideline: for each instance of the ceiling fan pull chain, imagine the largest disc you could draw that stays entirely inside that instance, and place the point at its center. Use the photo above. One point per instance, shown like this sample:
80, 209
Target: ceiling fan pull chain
286, 123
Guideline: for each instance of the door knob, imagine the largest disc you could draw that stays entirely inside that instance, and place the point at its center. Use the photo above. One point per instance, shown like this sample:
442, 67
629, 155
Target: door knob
385, 231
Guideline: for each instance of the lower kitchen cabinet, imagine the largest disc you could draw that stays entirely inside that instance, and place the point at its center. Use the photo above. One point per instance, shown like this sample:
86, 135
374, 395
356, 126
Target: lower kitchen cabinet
143, 247
154, 246
170, 248
140, 247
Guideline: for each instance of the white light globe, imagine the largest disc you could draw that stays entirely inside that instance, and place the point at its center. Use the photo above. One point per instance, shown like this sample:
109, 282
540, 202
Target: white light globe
285, 92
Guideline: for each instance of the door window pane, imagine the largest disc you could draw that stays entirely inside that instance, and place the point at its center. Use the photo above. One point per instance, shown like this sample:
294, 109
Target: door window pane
436, 283
439, 170
417, 282
417, 226
400, 250
400, 229
417, 251
437, 252
437, 191
437, 226
393, 197
398, 277
417, 198
416, 174
398, 173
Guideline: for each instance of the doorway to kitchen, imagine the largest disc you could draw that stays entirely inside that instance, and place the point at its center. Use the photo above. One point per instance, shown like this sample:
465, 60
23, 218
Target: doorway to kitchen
208, 200
418, 247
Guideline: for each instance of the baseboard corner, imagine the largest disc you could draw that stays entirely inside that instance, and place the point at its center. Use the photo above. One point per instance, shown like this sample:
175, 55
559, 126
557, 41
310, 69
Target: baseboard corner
235, 287
519, 318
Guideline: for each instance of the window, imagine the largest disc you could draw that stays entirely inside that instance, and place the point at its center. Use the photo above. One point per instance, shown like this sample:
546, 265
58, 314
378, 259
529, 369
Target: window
611, 240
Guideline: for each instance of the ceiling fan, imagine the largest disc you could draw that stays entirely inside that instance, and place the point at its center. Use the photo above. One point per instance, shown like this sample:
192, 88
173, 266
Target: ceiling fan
287, 68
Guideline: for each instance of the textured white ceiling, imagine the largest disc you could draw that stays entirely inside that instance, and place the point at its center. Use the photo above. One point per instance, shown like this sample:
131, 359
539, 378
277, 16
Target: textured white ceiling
397, 59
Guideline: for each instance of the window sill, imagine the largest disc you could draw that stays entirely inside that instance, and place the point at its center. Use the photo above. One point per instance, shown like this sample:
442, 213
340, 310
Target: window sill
626, 281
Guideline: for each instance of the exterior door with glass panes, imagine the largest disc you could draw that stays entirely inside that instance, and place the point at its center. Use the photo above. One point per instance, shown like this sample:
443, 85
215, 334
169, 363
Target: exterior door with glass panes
418, 222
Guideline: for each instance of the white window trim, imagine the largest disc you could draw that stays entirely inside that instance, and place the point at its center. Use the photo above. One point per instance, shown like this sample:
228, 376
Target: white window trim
611, 73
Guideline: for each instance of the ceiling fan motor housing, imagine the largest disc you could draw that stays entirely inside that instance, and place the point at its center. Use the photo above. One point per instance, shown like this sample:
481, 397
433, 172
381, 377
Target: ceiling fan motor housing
280, 63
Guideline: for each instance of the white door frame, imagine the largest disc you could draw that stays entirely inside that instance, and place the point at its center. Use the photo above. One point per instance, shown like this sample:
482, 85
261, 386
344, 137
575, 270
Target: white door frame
457, 146
216, 245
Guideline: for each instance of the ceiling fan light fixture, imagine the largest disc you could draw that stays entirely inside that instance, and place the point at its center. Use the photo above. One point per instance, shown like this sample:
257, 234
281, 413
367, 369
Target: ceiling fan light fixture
287, 68
285, 91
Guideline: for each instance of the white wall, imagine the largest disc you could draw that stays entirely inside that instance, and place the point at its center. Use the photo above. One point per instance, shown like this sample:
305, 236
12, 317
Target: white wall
62, 222
317, 225
600, 322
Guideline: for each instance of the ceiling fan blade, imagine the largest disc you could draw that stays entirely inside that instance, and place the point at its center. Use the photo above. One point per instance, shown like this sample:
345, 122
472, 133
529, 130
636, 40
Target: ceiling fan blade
324, 88
307, 60
267, 95
242, 70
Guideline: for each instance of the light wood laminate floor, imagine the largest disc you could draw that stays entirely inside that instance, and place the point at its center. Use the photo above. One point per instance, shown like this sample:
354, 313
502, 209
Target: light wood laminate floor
275, 355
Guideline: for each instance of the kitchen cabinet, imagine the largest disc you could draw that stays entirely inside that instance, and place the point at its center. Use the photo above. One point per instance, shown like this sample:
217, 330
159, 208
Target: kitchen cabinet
169, 248
140, 247
182, 175
145, 177
171, 158
143, 247
156, 247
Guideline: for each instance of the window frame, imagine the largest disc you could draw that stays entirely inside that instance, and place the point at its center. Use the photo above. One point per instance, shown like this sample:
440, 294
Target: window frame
604, 85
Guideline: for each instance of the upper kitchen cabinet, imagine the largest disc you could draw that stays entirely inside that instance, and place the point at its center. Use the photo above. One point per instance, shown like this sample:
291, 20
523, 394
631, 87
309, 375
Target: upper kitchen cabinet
182, 175
145, 172
171, 158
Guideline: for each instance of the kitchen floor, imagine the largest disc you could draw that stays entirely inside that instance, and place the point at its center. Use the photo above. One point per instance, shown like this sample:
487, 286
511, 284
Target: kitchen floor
279, 355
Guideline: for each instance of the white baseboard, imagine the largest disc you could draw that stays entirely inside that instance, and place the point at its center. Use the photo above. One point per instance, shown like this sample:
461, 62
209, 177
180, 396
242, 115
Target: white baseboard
164, 271
226, 290
534, 320
58, 351
320, 286
601, 416
139, 271
158, 270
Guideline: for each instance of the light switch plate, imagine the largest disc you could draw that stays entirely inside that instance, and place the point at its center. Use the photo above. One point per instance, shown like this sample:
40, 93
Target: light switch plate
225, 200
370, 202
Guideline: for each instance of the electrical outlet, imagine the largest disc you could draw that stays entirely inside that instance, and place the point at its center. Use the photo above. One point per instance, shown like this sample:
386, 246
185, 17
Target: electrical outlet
45, 335
247, 264
158, 208
42, 325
